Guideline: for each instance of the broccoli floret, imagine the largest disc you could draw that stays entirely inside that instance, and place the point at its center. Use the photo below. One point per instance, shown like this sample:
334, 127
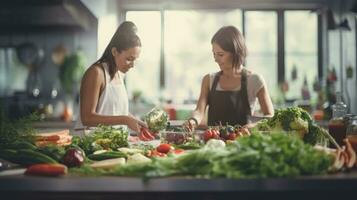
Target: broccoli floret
285, 117
316, 136
262, 125
306, 116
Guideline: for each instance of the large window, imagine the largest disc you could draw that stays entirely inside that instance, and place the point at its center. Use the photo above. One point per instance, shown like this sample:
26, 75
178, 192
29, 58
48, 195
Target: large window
144, 77
186, 53
300, 51
188, 49
261, 41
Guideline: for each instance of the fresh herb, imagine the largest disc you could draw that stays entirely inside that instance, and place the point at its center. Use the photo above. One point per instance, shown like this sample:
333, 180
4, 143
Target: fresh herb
16, 130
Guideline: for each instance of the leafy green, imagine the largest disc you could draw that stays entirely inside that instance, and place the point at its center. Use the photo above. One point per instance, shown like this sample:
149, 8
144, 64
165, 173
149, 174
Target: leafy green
257, 156
16, 130
275, 155
297, 121
104, 137
156, 119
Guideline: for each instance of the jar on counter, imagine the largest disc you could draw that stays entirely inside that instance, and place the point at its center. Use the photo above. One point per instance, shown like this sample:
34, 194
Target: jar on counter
337, 125
351, 131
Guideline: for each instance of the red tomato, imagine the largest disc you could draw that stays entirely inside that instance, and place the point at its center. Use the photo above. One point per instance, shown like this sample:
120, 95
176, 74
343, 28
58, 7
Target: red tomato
164, 148
215, 134
232, 136
207, 135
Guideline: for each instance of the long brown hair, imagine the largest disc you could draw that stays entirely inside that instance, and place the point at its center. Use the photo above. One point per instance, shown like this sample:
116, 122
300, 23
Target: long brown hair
124, 38
230, 39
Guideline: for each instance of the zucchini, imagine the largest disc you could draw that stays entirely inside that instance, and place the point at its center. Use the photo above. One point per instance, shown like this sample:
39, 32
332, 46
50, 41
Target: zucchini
107, 155
23, 145
29, 157
8, 154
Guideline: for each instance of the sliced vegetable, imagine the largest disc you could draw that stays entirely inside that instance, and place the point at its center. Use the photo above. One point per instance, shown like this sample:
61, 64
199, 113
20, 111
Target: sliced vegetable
138, 158
110, 163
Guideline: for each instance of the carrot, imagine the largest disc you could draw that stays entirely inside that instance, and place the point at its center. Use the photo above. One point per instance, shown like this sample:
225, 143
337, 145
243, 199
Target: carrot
46, 170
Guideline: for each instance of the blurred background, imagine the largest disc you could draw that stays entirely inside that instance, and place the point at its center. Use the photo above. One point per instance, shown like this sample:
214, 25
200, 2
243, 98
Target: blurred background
304, 49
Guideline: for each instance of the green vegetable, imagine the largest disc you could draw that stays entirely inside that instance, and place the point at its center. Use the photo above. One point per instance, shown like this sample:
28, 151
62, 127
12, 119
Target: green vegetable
257, 156
189, 145
104, 137
156, 119
54, 151
22, 145
19, 130
25, 157
107, 155
297, 121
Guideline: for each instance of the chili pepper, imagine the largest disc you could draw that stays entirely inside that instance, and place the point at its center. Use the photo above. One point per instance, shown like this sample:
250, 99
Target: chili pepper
46, 170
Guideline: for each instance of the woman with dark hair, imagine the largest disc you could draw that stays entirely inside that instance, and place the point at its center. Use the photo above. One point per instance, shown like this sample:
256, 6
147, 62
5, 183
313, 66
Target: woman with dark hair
103, 95
231, 93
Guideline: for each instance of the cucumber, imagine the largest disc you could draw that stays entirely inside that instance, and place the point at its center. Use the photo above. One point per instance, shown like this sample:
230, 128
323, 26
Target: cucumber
23, 145
107, 155
8, 154
29, 157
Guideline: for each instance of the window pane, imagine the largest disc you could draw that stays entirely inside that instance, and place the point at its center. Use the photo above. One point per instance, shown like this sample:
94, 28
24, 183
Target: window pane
300, 51
188, 50
144, 76
261, 41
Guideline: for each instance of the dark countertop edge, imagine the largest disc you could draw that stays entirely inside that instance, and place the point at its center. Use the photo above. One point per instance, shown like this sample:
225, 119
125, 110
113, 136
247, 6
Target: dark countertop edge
175, 184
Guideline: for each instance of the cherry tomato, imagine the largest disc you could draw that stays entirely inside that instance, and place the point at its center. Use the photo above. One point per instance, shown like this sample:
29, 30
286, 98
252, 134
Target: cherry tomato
164, 148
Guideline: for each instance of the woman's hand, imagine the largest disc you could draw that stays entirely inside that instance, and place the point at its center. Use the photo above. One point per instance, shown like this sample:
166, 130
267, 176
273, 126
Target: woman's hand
190, 125
135, 124
249, 125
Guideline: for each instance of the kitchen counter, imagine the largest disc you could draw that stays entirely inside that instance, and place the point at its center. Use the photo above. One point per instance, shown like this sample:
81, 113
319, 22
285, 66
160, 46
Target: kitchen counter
70, 187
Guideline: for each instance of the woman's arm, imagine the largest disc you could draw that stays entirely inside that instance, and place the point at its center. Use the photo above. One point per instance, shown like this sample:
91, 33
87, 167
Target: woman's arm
265, 102
199, 112
92, 83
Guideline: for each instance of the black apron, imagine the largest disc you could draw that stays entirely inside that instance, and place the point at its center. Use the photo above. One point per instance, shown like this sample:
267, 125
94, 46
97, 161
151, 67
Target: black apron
228, 107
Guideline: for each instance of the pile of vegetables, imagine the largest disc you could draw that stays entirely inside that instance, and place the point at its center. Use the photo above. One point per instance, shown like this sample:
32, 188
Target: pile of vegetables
257, 156
295, 120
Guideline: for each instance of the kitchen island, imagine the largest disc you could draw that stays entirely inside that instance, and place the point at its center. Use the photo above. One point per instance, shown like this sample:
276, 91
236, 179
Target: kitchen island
333, 186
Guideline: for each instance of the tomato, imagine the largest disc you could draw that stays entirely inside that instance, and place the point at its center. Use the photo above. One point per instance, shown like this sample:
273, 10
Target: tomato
164, 148
207, 135
232, 136
215, 134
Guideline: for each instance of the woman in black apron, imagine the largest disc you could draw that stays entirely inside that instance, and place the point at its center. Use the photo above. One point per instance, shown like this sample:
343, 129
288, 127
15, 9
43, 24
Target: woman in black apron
226, 93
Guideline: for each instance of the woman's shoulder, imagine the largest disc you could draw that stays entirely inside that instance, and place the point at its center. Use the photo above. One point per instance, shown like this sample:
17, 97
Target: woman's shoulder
254, 77
95, 71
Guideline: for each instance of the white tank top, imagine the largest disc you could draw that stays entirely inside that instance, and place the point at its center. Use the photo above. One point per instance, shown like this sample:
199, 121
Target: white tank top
112, 102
